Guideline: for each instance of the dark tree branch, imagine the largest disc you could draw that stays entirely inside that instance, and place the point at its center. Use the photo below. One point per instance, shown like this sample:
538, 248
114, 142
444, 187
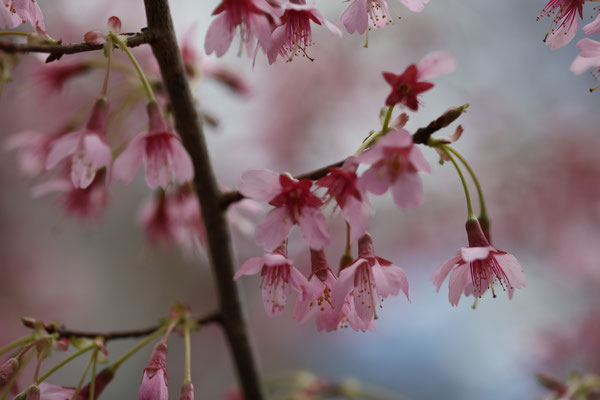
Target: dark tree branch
421, 136
57, 50
233, 320
134, 333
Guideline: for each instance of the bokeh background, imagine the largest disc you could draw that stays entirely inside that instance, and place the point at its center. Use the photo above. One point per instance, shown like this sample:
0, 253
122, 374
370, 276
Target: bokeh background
530, 132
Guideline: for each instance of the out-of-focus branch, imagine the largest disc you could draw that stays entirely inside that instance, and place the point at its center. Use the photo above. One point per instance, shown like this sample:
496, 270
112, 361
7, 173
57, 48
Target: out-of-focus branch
57, 50
421, 136
63, 332
166, 51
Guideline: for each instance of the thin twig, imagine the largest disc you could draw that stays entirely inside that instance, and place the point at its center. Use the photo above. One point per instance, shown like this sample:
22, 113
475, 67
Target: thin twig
114, 335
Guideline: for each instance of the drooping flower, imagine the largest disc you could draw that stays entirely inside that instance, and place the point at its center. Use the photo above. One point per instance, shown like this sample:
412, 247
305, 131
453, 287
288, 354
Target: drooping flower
362, 14
277, 272
154, 382
563, 27
407, 86
342, 185
254, 18
15, 12
165, 158
294, 204
369, 280
294, 35
479, 267
395, 164
87, 149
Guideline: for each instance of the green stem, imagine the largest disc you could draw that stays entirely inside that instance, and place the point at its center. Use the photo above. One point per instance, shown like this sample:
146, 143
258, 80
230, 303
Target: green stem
375, 135
13, 33
187, 376
145, 82
483, 209
64, 362
85, 371
93, 378
138, 346
109, 49
16, 343
470, 213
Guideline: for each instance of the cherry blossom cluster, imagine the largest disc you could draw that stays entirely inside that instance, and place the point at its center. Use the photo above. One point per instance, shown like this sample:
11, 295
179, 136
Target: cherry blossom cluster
565, 15
282, 28
393, 163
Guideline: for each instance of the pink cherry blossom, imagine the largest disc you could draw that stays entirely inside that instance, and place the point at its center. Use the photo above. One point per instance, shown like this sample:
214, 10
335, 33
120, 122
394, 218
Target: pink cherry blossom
277, 272
588, 58
15, 12
87, 149
294, 36
369, 279
165, 158
317, 299
478, 267
593, 27
88, 203
33, 148
563, 27
254, 18
362, 14
395, 164
154, 381
407, 86
294, 204
342, 185
415, 5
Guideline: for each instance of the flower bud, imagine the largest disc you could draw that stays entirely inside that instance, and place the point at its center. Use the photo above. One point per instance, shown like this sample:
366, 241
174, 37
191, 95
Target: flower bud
7, 371
154, 382
33, 393
187, 392
475, 234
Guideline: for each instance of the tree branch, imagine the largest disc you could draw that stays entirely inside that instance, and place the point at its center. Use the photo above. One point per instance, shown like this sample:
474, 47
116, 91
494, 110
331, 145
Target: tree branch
421, 136
57, 50
233, 320
63, 332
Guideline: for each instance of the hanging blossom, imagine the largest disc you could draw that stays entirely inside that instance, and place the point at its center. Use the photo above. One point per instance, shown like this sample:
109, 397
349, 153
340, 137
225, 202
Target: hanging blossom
294, 204
565, 22
15, 12
33, 148
407, 86
479, 267
87, 149
277, 272
165, 158
395, 164
342, 185
293, 36
362, 14
588, 58
370, 279
255, 19
154, 381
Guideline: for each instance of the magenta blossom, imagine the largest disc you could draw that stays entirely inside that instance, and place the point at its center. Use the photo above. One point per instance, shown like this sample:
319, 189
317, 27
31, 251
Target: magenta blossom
395, 164
15, 12
563, 27
407, 86
294, 204
165, 158
342, 185
478, 267
154, 382
87, 149
293, 36
277, 272
254, 18
369, 279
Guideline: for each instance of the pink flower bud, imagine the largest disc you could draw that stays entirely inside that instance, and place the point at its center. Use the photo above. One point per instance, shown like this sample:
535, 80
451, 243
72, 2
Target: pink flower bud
94, 37
187, 392
114, 24
7, 371
154, 382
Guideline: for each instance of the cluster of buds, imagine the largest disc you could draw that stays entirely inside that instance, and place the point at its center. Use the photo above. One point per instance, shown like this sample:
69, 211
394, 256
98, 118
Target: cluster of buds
565, 16
283, 27
394, 162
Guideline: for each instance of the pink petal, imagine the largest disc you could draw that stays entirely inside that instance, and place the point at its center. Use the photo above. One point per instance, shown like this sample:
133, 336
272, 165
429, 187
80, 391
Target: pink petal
436, 64
440, 274
375, 180
390, 280
563, 34
274, 297
128, 162
396, 138
8, 19
355, 17
593, 27
219, 36
314, 227
407, 191
512, 269
262, 185
61, 148
55, 392
589, 48
252, 266
273, 229
459, 279
415, 5
357, 214
469, 254
154, 388
582, 64
418, 161
344, 285
182, 163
